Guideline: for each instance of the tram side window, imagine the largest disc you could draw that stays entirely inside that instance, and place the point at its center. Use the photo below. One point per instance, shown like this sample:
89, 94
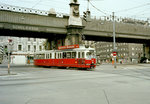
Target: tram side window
73, 54
79, 55
50, 55
55, 55
64, 54
46, 56
42, 56
60, 55
35, 56
68, 54
83, 55
39, 56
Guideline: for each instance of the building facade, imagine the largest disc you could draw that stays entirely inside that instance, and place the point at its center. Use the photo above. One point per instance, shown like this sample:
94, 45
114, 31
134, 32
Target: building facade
22, 49
126, 52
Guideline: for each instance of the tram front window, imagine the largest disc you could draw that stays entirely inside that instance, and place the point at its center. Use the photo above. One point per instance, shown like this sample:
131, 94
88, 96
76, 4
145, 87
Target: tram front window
90, 54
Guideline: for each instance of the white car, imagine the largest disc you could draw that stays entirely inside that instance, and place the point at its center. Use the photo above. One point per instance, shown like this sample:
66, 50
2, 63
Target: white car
147, 60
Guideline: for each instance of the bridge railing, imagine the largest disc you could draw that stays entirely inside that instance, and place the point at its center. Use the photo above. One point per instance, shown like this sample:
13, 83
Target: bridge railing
122, 20
28, 10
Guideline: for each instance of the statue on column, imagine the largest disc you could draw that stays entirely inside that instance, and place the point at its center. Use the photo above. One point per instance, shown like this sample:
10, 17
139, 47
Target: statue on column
74, 18
74, 28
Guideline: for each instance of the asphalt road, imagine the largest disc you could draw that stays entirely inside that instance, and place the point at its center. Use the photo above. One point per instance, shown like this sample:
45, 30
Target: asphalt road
128, 84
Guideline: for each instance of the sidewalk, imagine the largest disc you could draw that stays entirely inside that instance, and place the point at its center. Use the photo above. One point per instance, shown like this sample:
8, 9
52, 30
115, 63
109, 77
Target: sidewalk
4, 69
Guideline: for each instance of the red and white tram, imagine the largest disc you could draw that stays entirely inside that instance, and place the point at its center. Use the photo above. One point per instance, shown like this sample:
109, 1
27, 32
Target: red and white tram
67, 56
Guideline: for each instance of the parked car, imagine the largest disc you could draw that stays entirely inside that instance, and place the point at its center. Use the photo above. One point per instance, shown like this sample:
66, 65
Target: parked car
147, 60
144, 60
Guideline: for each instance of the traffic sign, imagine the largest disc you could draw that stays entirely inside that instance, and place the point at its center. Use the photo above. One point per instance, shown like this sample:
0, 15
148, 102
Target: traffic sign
114, 54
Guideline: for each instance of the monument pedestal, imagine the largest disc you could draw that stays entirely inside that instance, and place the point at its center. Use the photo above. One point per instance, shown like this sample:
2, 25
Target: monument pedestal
74, 35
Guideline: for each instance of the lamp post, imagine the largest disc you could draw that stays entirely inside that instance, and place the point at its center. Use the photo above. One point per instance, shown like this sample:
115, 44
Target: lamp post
114, 40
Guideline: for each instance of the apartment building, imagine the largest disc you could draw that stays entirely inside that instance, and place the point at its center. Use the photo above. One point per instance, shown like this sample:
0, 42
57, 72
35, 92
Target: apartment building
22, 49
126, 52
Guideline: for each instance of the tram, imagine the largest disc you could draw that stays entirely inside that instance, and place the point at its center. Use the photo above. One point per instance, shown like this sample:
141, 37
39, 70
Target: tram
67, 56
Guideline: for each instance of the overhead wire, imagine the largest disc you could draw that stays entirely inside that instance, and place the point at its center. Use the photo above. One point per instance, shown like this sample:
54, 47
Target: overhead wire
142, 12
36, 4
125, 10
97, 8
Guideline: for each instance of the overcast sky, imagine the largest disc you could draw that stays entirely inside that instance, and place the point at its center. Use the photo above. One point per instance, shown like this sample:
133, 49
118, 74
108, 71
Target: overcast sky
125, 8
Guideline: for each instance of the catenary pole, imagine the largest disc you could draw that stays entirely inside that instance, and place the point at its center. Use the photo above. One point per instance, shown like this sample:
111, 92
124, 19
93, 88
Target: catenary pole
114, 40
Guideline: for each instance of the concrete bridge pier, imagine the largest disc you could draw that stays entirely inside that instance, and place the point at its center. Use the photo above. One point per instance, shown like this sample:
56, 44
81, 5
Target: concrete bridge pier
54, 43
146, 50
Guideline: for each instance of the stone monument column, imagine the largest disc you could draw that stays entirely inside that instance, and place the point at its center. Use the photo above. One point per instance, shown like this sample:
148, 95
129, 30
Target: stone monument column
75, 27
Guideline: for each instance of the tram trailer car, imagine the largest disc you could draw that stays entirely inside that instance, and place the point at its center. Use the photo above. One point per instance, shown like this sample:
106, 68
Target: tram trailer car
67, 57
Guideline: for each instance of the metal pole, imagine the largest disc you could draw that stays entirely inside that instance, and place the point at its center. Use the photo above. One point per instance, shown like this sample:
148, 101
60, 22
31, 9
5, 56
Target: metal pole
88, 5
8, 58
114, 40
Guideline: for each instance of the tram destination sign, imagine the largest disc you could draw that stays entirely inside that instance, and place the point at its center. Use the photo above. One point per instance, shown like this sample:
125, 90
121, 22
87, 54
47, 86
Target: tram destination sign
68, 47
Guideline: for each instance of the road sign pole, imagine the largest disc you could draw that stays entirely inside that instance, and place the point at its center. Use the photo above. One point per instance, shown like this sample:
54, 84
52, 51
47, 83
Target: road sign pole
114, 40
8, 47
8, 59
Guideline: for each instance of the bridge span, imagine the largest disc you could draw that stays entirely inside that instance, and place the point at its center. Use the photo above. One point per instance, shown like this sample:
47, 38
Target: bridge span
47, 26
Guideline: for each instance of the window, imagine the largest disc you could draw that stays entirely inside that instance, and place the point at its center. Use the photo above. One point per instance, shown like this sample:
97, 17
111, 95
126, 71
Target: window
40, 48
34, 48
68, 54
28, 47
19, 47
47, 56
43, 56
35, 39
82, 54
50, 55
73, 54
60, 55
132, 54
64, 54
124, 54
28, 39
78, 54
55, 55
